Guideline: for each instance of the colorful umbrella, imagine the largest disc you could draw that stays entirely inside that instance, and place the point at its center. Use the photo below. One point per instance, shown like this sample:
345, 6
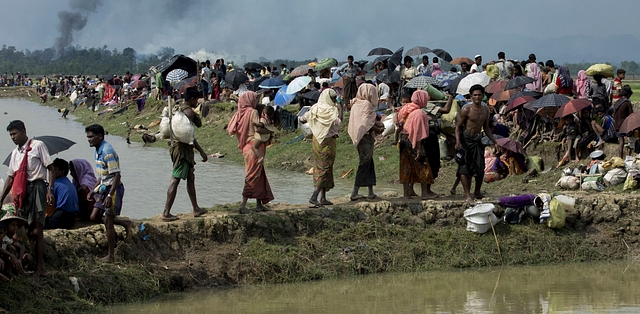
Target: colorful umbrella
326, 63
461, 60
503, 95
282, 98
418, 50
300, 70
298, 84
442, 54
379, 52
177, 75
631, 123
518, 81
573, 106
518, 101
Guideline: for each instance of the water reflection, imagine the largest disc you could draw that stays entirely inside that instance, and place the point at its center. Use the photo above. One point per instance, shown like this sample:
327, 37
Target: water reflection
579, 288
146, 170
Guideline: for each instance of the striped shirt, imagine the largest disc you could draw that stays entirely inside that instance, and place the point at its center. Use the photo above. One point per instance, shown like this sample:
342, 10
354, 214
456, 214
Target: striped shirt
107, 163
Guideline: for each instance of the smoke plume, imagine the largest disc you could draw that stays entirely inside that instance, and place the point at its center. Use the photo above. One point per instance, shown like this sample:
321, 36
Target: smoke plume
73, 21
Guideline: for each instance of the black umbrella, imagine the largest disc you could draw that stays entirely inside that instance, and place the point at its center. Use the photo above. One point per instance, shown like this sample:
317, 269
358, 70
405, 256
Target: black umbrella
417, 50
190, 81
395, 60
361, 63
255, 84
550, 100
383, 76
312, 95
518, 81
236, 77
442, 54
524, 93
381, 59
253, 66
55, 144
453, 86
379, 52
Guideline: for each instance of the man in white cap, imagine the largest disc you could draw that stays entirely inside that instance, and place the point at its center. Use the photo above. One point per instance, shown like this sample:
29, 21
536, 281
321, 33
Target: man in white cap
477, 67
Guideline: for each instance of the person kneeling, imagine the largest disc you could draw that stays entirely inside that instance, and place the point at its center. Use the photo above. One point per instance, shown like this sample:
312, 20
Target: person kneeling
66, 204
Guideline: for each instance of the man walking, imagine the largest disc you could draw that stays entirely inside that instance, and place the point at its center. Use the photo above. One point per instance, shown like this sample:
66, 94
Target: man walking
109, 190
183, 160
30, 191
348, 74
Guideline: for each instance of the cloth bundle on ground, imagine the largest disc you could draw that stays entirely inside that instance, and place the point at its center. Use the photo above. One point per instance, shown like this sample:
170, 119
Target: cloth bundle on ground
480, 218
569, 183
615, 176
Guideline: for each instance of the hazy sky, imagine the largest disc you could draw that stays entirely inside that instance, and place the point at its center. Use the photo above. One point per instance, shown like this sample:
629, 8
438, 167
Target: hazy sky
300, 29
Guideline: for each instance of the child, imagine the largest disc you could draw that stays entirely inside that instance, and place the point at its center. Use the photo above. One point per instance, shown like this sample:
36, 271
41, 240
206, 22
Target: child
64, 111
266, 123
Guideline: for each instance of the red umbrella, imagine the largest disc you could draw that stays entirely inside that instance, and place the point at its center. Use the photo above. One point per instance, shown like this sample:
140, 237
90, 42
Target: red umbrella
495, 87
139, 84
631, 123
573, 106
517, 102
503, 95
460, 60
511, 145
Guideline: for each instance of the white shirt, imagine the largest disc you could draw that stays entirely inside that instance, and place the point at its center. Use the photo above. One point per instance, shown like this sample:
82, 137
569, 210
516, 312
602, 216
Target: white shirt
505, 68
37, 162
424, 69
477, 68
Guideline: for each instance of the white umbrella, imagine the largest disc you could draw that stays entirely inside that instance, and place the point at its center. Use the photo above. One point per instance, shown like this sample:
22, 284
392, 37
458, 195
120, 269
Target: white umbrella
472, 79
298, 84
177, 75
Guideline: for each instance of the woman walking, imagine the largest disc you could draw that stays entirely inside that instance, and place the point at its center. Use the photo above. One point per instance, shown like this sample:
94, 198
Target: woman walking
324, 120
256, 184
362, 129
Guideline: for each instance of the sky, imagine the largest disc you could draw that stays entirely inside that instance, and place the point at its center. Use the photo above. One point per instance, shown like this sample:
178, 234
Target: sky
245, 30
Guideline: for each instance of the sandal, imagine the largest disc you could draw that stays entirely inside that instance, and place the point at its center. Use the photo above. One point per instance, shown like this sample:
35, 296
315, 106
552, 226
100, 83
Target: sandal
170, 218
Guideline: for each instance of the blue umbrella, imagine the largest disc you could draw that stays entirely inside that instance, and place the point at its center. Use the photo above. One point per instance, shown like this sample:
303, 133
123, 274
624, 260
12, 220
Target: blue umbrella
282, 98
446, 78
273, 82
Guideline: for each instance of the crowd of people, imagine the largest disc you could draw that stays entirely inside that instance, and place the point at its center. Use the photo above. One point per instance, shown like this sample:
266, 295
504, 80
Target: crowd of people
48, 199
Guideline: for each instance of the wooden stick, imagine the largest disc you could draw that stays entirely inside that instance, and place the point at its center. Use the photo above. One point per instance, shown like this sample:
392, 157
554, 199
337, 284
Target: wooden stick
496, 237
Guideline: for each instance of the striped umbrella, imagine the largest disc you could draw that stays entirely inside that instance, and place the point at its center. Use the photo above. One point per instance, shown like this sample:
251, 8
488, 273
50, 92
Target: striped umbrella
177, 75
421, 81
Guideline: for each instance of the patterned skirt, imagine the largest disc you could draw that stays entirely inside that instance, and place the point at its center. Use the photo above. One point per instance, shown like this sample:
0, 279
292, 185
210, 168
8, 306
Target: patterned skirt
324, 154
412, 170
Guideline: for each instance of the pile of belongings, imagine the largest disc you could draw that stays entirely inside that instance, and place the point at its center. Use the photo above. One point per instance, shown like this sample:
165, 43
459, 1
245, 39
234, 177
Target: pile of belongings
547, 209
598, 175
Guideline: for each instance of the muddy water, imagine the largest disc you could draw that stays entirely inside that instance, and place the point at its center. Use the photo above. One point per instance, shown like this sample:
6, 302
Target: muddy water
578, 288
146, 170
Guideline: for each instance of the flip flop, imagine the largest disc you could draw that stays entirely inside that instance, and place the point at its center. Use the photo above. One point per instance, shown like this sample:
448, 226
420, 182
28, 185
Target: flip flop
326, 203
170, 218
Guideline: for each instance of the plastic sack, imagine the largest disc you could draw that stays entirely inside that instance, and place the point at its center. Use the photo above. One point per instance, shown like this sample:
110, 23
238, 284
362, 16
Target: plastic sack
630, 183
480, 218
630, 163
569, 183
615, 176
389, 126
558, 214
605, 70
304, 127
592, 186
534, 162
183, 129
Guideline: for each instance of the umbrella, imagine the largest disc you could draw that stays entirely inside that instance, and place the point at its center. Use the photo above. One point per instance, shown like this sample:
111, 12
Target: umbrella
383, 76
139, 84
487, 142
511, 145
236, 77
395, 60
550, 100
470, 80
503, 95
55, 144
298, 84
442, 54
421, 81
326, 63
518, 101
136, 77
176, 75
312, 95
255, 84
273, 82
381, 59
461, 60
418, 50
361, 63
282, 98
574, 105
453, 85
301, 70
379, 52
253, 66
631, 123
188, 82
518, 81
535, 95
444, 79
495, 87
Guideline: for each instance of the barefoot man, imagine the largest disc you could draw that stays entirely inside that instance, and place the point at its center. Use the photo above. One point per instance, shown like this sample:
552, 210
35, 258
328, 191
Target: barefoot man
30, 193
109, 190
184, 161
473, 118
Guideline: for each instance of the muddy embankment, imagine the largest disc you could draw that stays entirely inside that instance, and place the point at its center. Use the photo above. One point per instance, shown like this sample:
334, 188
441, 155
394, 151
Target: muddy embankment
294, 244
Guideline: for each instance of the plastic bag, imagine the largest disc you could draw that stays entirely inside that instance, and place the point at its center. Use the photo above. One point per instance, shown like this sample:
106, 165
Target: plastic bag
389, 126
615, 176
569, 183
183, 129
630, 183
558, 214
592, 185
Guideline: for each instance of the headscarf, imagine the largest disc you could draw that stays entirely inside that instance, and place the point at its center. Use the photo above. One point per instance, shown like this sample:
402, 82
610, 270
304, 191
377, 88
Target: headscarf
493, 71
322, 115
417, 124
84, 173
580, 86
534, 73
436, 69
240, 123
565, 78
363, 115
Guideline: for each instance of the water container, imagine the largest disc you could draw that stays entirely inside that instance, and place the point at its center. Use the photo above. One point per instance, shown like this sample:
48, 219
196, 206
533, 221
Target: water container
568, 202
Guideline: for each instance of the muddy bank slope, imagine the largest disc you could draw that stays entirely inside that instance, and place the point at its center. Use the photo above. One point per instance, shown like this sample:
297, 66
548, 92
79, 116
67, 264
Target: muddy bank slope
293, 244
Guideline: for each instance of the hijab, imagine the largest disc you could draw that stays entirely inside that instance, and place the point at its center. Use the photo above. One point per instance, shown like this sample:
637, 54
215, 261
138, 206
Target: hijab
241, 123
323, 114
363, 115
84, 173
417, 124
534, 73
565, 78
580, 87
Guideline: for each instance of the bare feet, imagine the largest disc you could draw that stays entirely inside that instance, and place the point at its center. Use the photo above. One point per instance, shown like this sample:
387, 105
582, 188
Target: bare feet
326, 202
199, 212
168, 218
372, 196
314, 204
430, 196
243, 210
127, 229
478, 196
107, 259
452, 192
412, 193
357, 197
262, 208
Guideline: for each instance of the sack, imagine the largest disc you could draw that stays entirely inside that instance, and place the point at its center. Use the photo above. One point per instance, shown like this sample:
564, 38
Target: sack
480, 218
19, 186
550, 89
389, 126
183, 129
615, 176
558, 214
534, 162
569, 183
605, 70
630, 183
592, 186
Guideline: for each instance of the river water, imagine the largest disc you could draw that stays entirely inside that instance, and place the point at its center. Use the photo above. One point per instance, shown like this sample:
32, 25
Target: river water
576, 288
146, 170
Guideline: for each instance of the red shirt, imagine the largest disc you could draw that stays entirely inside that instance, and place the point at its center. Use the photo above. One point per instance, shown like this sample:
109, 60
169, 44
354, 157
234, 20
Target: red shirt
615, 88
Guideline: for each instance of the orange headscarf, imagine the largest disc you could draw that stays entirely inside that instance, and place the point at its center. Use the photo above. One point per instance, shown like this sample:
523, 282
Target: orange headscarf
363, 114
417, 124
241, 123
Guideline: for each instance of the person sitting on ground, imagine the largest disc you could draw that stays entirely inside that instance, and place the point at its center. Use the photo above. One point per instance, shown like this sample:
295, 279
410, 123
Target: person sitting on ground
8, 261
84, 180
66, 198
605, 131
266, 122
11, 242
514, 162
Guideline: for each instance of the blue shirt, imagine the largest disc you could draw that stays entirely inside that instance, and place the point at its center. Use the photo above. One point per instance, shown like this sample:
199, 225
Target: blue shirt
66, 195
107, 163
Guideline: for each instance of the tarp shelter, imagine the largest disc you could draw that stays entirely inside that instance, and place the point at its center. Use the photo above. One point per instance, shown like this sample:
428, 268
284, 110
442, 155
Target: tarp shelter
178, 62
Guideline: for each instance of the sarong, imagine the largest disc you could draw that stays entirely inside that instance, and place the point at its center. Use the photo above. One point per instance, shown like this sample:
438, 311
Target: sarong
366, 173
350, 91
474, 153
35, 202
323, 156
412, 170
183, 160
256, 184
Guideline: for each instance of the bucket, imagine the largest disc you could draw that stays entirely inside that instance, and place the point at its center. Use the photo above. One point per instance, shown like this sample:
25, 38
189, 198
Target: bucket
480, 218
